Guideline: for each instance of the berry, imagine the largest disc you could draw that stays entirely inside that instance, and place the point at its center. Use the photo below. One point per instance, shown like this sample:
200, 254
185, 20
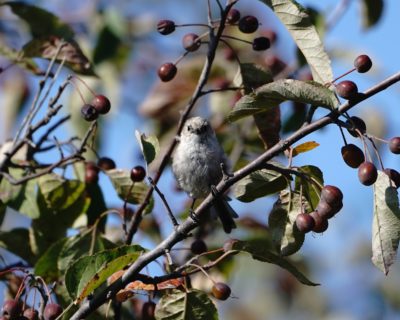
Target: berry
138, 173
326, 210
270, 34
304, 222
221, 291
367, 173
91, 173
12, 308
167, 71
101, 104
321, 224
393, 175
191, 42
248, 24
347, 89
165, 27
394, 145
275, 64
89, 113
331, 195
148, 310
362, 63
233, 16
352, 155
106, 163
356, 123
52, 311
198, 246
31, 314
261, 43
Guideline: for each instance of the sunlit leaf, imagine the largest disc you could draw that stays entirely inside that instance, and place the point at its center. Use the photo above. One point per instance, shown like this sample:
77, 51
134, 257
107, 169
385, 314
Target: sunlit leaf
122, 183
272, 94
371, 12
149, 146
304, 147
309, 184
304, 33
259, 184
386, 223
181, 305
89, 272
260, 252
282, 220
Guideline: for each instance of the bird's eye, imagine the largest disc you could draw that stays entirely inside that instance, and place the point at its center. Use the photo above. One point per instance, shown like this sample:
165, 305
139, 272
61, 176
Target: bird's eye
189, 128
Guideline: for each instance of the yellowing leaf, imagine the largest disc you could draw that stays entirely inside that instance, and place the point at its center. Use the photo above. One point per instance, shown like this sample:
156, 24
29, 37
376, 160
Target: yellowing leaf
304, 147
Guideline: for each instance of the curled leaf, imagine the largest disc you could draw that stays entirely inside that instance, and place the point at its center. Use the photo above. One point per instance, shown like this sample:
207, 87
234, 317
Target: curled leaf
304, 147
149, 145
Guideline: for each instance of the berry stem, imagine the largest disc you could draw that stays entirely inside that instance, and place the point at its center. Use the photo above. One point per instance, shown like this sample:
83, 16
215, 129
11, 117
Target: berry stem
343, 75
237, 39
84, 83
377, 153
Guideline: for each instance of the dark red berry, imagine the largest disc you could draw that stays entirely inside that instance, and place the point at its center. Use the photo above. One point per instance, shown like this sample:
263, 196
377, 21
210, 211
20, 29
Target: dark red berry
393, 175
52, 311
165, 27
362, 63
101, 104
352, 155
304, 222
233, 16
394, 145
138, 173
191, 42
167, 71
270, 34
347, 89
105, 163
275, 64
221, 291
31, 314
248, 24
321, 224
148, 310
12, 308
356, 123
367, 173
89, 113
261, 43
198, 246
331, 195
91, 173
326, 210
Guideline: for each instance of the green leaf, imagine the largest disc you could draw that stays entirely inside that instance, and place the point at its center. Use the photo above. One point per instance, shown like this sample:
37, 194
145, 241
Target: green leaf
79, 246
180, 305
97, 206
304, 33
259, 184
371, 12
59, 193
17, 242
46, 266
272, 94
311, 191
252, 76
18, 58
88, 273
282, 223
385, 224
122, 183
40, 21
149, 145
47, 47
263, 253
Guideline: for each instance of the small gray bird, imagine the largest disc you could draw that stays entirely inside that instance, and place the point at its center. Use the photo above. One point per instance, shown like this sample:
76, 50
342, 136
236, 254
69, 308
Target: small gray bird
197, 166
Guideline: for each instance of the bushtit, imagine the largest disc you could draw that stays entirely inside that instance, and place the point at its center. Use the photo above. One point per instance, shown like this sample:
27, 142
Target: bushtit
197, 166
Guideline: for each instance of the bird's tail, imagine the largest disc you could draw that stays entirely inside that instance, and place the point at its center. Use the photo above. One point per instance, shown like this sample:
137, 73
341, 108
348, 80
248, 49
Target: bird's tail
225, 212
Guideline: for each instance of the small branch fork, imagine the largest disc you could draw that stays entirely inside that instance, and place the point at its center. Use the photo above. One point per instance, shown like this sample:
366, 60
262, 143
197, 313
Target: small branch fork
179, 233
